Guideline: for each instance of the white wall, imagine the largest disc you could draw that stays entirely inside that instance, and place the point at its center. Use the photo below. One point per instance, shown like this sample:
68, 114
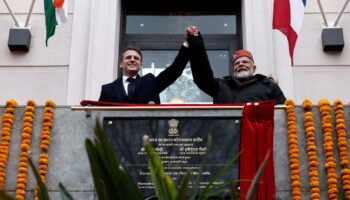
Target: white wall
315, 74
83, 53
41, 73
319, 74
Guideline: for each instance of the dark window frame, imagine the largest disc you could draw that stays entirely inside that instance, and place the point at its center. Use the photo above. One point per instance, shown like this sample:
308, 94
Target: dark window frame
181, 7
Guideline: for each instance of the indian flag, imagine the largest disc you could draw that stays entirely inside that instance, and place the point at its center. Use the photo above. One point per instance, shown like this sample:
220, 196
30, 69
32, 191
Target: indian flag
56, 12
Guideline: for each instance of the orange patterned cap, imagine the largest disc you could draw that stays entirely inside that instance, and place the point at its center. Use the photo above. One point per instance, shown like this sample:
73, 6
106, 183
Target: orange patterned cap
242, 53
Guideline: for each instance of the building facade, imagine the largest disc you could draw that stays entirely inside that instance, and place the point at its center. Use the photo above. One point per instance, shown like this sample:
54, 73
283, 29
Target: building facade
83, 54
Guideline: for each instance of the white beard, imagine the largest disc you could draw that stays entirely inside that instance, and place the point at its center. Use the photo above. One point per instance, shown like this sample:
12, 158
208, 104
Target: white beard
243, 74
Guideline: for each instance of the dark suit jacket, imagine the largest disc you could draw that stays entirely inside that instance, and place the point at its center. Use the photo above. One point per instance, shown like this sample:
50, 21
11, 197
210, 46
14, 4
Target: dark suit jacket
148, 86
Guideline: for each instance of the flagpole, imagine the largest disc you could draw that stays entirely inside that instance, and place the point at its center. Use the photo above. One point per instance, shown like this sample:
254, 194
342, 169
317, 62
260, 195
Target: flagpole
341, 12
322, 12
11, 13
30, 13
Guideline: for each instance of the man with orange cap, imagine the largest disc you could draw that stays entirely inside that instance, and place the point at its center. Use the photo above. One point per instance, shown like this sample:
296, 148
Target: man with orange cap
243, 86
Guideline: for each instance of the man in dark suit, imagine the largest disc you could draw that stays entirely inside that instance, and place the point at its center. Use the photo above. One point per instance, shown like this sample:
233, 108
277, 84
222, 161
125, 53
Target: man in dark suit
132, 88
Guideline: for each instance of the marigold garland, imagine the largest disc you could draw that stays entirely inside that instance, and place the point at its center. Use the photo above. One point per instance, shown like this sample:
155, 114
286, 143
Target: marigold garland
25, 147
330, 163
342, 146
45, 142
293, 150
7, 122
312, 150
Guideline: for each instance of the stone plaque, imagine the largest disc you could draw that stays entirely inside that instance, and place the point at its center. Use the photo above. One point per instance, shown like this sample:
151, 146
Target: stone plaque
181, 142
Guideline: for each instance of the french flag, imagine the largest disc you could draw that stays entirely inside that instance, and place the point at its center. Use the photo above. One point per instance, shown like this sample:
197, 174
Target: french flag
288, 17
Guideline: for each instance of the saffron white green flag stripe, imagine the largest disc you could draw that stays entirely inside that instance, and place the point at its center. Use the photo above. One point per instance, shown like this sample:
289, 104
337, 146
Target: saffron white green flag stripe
56, 12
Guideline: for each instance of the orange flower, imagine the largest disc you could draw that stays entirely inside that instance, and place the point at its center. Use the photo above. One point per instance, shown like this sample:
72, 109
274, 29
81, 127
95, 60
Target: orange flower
314, 184
27, 130
45, 141
31, 103
48, 110
43, 167
22, 180
26, 136
48, 124
45, 137
25, 146
345, 171
29, 108
6, 138
44, 147
44, 156
7, 121
43, 161
293, 149
29, 114
315, 196
311, 150
330, 165
21, 186
22, 170
307, 105
11, 103
29, 125
42, 172
23, 159
50, 103
28, 119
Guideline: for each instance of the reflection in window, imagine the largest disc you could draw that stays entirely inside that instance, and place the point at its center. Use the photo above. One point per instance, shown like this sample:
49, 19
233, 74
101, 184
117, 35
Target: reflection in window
183, 89
210, 24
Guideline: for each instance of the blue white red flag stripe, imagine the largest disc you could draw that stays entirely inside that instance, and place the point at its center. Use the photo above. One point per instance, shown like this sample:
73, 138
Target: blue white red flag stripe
288, 17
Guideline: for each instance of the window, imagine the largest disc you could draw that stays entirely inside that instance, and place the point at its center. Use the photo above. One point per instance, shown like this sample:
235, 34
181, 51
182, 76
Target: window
157, 28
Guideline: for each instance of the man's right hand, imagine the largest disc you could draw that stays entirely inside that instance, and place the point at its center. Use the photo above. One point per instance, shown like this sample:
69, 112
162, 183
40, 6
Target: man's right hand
191, 30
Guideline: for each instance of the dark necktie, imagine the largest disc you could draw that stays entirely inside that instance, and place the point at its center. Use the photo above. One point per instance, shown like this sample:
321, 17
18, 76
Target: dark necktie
131, 89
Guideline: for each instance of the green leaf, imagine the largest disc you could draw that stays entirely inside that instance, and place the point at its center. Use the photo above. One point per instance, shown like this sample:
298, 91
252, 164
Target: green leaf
201, 169
42, 191
156, 174
4, 196
225, 189
182, 193
164, 185
121, 177
64, 193
254, 185
233, 190
112, 181
97, 170
219, 174
170, 187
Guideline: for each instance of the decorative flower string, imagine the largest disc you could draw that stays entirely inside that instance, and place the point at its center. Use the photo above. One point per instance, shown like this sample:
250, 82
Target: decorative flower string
27, 128
7, 122
293, 150
45, 142
330, 165
342, 146
311, 150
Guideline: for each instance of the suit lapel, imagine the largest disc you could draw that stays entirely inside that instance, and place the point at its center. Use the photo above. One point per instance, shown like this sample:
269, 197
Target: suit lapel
118, 89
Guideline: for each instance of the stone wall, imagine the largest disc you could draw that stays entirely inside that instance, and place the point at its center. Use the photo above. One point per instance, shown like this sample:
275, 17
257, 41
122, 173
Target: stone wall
69, 165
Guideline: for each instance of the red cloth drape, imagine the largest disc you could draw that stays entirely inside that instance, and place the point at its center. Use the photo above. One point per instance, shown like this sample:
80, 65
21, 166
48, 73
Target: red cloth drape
256, 141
